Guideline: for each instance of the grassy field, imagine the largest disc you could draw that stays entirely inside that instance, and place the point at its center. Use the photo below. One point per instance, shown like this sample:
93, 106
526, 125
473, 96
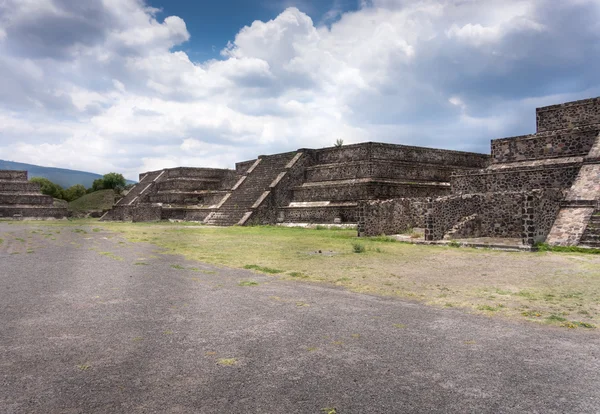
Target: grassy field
98, 200
547, 287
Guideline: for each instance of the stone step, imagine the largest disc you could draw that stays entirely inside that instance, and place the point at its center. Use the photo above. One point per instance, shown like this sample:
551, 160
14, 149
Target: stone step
33, 199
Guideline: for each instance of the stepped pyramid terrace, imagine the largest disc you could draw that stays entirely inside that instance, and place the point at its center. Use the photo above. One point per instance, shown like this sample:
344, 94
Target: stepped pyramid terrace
21, 199
303, 186
543, 187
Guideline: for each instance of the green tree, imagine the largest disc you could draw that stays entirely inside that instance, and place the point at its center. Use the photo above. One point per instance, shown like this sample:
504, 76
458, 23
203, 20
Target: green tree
114, 181
48, 187
98, 184
74, 192
338, 143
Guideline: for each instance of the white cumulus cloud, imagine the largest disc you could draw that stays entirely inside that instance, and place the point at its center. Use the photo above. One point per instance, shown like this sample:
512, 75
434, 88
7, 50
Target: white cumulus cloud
98, 85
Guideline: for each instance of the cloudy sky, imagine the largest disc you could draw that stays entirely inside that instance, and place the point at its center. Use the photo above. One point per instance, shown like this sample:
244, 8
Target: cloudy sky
137, 85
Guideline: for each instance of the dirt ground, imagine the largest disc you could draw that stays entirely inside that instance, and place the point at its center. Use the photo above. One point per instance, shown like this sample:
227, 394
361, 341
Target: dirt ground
94, 322
562, 289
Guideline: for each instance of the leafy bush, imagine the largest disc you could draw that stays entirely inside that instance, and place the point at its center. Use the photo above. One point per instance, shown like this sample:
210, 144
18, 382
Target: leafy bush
358, 247
48, 187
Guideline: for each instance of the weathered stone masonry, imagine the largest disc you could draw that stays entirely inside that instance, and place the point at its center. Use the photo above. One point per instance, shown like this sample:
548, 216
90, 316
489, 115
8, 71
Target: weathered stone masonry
21, 199
539, 187
306, 186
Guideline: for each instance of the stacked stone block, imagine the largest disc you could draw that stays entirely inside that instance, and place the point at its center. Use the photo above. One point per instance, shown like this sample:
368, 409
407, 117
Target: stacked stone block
539, 187
340, 178
177, 193
20, 199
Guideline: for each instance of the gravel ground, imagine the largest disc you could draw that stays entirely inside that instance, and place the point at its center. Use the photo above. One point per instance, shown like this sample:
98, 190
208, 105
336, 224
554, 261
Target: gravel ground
92, 323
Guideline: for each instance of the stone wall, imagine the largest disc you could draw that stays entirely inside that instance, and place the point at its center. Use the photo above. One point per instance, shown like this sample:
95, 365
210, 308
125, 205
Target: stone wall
381, 151
539, 213
146, 212
356, 190
500, 214
13, 175
559, 176
184, 214
553, 144
568, 115
321, 214
242, 167
29, 212
380, 169
19, 186
428, 155
32, 199
391, 216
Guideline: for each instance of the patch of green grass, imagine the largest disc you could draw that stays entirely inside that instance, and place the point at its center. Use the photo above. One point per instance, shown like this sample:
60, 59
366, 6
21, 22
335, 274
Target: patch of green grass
383, 239
577, 324
544, 247
178, 267
227, 362
299, 275
98, 200
1, 241
111, 255
248, 283
358, 247
487, 308
263, 269
453, 243
20, 239
329, 410
79, 231
399, 325
555, 318
532, 314
83, 367
96, 229
140, 264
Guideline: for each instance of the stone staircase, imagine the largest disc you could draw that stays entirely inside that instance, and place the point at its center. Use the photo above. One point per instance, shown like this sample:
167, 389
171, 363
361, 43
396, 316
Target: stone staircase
250, 190
140, 188
580, 205
123, 208
20, 198
591, 235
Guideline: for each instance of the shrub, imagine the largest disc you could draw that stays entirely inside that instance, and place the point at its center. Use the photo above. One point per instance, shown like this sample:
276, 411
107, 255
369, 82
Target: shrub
358, 247
48, 187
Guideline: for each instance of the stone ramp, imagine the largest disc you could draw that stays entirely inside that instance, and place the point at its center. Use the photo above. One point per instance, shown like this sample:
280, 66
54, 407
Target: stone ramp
591, 235
252, 189
140, 188
581, 202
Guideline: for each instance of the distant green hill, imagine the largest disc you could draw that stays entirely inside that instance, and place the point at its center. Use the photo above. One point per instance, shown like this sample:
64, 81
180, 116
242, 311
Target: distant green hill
61, 176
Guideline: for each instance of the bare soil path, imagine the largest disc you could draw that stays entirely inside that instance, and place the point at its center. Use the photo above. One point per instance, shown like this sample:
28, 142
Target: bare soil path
91, 323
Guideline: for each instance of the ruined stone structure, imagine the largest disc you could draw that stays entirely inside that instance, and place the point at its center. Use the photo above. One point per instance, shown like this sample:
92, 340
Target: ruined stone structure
539, 187
21, 199
304, 186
